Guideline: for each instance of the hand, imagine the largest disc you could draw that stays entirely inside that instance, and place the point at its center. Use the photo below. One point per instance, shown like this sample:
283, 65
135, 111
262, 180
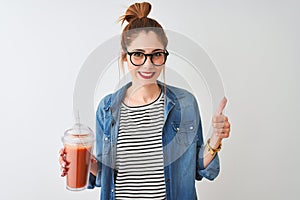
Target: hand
94, 165
220, 124
64, 164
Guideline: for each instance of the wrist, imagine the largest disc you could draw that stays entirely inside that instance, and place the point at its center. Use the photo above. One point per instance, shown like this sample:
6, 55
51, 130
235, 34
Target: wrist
211, 149
94, 168
215, 142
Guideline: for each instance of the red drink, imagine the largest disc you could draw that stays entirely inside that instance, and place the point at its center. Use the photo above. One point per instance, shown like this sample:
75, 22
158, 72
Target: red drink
78, 143
79, 158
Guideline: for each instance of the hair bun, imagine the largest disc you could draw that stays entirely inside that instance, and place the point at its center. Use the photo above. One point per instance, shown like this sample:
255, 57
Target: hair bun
136, 11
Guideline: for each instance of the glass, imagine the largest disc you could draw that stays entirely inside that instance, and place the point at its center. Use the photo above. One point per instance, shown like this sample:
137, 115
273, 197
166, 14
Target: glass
157, 58
78, 143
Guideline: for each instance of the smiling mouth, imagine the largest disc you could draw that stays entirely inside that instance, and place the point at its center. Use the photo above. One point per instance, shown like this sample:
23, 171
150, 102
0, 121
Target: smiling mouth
146, 75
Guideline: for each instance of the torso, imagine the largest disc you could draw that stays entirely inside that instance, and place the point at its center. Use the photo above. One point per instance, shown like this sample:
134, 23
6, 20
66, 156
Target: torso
140, 169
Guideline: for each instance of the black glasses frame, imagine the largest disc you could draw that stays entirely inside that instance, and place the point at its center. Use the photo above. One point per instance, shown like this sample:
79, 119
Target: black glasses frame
166, 53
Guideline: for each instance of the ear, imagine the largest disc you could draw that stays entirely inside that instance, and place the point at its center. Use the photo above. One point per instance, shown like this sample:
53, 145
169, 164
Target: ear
123, 56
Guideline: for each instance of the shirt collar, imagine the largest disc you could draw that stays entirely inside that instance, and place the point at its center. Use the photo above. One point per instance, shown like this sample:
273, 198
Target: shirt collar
115, 99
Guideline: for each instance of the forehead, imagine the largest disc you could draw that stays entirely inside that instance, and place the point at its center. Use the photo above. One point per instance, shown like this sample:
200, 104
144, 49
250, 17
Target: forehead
145, 40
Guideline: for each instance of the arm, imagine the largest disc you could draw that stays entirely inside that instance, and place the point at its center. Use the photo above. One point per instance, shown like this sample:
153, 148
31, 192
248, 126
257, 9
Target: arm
209, 155
208, 165
221, 130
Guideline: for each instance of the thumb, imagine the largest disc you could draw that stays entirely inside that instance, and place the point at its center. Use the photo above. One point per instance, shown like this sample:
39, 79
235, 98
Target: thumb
221, 106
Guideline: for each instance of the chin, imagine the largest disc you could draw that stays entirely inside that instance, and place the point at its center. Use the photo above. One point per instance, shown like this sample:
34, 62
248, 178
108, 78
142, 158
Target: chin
146, 82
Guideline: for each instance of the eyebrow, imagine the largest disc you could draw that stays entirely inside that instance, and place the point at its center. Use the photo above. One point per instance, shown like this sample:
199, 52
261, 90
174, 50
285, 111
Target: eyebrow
142, 50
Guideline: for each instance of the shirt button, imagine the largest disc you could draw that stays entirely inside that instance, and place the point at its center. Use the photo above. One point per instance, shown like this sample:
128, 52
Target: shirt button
191, 128
106, 138
112, 190
177, 129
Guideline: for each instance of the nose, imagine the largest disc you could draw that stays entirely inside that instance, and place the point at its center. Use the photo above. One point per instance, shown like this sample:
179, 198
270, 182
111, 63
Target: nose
148, 61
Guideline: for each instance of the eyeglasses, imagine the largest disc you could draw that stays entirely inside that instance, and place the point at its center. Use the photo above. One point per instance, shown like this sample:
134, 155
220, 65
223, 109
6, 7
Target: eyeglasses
157, 58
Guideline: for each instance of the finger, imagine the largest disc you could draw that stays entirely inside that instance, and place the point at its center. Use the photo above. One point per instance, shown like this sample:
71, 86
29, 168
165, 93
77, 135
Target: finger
222, 135
64, 173
62, 151
221, 125
64, 169
220, 119
61, 160
218, 125
64, 164
225, 130
218, 130
221, 130
221, 106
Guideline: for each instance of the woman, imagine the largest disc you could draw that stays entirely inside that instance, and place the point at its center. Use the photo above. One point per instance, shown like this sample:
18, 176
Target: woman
148, 134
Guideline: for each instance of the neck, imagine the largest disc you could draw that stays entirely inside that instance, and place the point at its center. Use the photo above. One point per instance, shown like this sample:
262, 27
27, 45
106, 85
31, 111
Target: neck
142, 94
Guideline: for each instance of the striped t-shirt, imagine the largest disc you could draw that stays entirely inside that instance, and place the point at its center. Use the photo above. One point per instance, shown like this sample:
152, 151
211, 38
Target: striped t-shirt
140, 167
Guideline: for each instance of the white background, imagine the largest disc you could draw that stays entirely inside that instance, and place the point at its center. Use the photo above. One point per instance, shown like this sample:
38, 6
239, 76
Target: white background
254, 45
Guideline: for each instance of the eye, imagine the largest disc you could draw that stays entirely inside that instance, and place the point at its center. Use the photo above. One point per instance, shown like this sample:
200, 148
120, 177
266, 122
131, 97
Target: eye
138, 54
158, 54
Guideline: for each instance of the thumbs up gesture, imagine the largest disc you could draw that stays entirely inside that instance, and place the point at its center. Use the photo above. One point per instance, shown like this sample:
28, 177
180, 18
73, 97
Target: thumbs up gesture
220, 124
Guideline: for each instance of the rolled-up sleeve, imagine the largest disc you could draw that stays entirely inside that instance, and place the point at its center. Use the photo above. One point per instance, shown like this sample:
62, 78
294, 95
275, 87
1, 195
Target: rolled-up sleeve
94, 180
211, 171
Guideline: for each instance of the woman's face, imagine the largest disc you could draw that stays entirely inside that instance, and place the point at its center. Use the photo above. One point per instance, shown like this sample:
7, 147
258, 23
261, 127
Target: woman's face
146, 43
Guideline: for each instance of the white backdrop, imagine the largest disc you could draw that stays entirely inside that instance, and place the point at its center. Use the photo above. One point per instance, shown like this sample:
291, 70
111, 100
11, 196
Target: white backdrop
254, 45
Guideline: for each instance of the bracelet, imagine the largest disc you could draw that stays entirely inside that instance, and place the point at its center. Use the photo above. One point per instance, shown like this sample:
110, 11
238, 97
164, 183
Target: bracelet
211, 150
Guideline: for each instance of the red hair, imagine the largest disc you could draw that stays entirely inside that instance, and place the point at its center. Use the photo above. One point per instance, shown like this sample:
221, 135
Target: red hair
136, 16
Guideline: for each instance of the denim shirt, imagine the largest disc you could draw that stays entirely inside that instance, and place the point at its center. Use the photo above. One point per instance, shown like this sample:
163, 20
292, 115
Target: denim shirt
181, 138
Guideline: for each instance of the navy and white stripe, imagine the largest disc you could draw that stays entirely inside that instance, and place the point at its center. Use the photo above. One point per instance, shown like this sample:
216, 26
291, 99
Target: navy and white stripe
140, 168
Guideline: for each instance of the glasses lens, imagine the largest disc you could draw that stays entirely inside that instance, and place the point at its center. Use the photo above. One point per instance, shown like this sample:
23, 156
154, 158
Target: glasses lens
137, 58
158, 58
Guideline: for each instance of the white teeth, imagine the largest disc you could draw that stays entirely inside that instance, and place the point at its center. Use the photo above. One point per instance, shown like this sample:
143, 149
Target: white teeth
146, 74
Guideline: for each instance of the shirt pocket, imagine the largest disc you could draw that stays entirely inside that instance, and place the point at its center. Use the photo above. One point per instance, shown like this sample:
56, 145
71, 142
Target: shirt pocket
185, 132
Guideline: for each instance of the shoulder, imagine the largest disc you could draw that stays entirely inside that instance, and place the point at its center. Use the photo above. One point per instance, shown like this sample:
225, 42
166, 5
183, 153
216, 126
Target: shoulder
105, 101
103, 105
113, 98
180, 93
178, 90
